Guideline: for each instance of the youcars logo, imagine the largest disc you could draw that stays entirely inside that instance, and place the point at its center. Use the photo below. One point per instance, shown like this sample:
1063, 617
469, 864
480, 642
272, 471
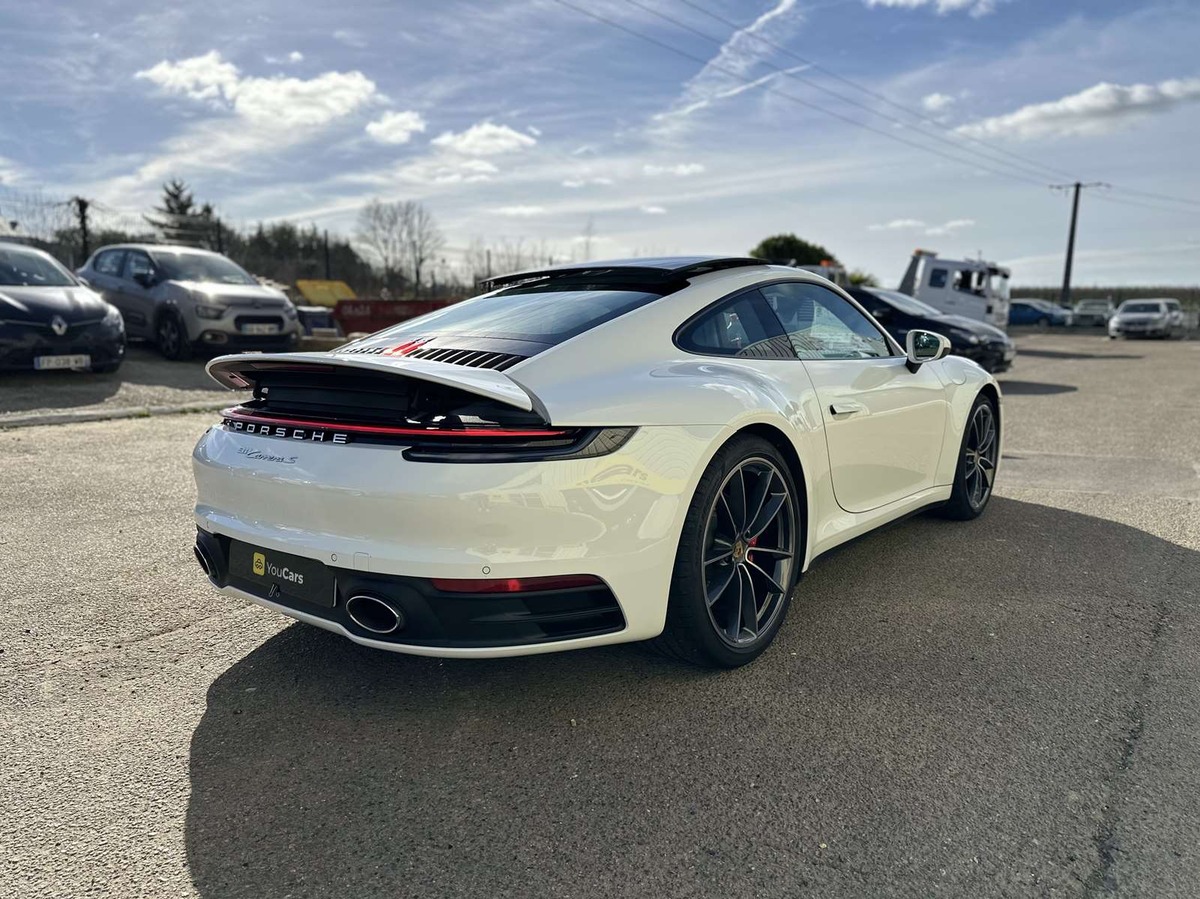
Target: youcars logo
263, 567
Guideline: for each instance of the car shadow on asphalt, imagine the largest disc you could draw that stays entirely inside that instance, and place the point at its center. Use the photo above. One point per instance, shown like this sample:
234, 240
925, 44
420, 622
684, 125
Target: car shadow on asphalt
1034, 388
910, 718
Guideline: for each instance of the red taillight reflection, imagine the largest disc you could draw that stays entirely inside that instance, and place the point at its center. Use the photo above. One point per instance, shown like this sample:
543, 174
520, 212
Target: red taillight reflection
515, 584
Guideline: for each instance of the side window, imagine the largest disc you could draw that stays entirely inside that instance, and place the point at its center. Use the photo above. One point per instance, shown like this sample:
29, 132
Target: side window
736, 327
937, 278
138, 264
822, 325
109, 262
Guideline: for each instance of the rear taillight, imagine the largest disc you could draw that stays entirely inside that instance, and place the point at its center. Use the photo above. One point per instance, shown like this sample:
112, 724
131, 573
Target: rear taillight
578, 443
516, 584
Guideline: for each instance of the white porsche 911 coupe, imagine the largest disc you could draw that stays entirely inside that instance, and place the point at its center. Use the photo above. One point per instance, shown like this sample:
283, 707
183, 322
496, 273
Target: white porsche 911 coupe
588, 454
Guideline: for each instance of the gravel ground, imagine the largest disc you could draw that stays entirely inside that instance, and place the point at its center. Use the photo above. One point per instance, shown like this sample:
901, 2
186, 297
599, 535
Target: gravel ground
144, 380
1009, 707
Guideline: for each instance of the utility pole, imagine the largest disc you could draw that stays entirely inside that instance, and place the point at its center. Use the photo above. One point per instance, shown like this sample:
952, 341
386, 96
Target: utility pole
220, 238
1065, 297
81, 210
328, 267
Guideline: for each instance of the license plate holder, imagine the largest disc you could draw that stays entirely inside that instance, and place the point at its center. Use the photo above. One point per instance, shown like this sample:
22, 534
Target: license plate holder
260, 329
278, 575
71, 361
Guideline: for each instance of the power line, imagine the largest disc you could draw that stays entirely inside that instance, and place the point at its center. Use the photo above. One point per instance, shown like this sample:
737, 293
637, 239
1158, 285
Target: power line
843, 97
866, 90
829, 112
1154, 196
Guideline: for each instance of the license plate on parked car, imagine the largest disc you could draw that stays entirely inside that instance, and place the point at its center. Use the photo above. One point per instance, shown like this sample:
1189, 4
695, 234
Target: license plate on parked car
274, 574
260, 329
78, 360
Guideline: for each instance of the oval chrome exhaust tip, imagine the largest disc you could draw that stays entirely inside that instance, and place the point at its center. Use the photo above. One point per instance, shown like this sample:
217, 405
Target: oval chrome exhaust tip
206, 564
374, 614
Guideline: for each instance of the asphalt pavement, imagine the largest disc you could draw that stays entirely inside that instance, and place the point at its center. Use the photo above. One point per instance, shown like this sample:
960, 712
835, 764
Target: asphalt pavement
1008, 707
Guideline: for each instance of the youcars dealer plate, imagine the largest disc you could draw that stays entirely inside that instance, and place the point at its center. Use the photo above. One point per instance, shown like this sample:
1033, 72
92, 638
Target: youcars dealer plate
274, 575
78, 360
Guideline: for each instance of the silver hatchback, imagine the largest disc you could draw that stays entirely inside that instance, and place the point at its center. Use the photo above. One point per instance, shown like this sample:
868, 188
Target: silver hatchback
182, 299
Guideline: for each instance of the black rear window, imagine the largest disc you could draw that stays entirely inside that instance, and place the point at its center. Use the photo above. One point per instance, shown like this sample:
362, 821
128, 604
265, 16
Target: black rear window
536, 315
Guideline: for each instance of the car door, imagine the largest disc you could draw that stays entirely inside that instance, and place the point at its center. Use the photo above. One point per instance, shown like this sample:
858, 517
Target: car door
884, 424
104, 276
138, 297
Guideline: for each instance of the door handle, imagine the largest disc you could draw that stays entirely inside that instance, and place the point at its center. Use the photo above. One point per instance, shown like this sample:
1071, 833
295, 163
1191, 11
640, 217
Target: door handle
846, 408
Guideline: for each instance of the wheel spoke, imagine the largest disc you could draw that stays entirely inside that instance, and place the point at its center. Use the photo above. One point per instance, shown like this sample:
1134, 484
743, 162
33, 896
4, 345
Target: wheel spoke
723, 580
723, 550
773, 551
768, 514
750, 608
736, 500
778, 587
762, 490
987, 468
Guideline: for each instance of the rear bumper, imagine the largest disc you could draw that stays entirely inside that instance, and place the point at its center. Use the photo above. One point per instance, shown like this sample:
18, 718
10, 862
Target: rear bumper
379, 520
431, 618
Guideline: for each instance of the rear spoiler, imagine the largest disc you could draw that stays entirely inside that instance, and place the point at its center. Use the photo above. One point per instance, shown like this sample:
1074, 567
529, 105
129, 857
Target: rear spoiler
236, 373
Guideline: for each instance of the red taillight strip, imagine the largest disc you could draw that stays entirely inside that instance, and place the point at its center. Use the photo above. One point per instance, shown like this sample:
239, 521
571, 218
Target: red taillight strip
515, 584
238, 414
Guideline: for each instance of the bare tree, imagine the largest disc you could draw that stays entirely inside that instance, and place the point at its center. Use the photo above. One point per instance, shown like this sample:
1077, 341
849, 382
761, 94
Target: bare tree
380, 230
422, 238
402, 235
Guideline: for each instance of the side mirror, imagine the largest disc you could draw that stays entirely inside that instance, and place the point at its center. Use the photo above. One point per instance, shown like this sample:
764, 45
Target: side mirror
925, 346
146, 279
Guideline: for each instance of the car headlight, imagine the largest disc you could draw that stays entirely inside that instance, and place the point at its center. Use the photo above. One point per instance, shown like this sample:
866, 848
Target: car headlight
113, 319
972, 339
289, 312
205, 311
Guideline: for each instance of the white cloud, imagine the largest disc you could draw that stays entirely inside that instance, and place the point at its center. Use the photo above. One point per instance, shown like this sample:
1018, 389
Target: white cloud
1101, 108
936, 102
898, 225
277, 103
295, 56
680, 170
536, 132
432, 170
654, 210
252, 117
396, 127
974, 7
10, 172
585, 182
949, 227
521, 211
484, 139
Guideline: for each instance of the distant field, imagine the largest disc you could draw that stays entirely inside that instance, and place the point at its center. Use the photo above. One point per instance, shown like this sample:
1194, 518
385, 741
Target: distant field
1188, 296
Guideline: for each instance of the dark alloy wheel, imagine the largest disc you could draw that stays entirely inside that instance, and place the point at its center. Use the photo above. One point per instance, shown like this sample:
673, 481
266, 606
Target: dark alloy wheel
976, 472
172, 338
739, 557
750, 548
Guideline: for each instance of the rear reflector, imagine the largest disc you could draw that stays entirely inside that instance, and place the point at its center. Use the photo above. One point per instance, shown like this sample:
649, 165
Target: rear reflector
515, 584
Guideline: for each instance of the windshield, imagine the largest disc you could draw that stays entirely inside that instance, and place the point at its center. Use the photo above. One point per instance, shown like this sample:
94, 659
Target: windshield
203, 267
905, 303
25, 267
1152, 308
547, 316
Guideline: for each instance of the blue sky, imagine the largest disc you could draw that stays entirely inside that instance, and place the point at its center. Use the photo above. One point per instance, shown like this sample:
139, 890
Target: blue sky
525, 119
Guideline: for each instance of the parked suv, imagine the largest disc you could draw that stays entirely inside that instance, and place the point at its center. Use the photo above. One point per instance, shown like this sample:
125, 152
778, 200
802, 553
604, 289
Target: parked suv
1147, 318
182, 298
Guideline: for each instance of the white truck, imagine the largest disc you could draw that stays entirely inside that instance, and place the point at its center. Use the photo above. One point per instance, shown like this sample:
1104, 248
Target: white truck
971, 288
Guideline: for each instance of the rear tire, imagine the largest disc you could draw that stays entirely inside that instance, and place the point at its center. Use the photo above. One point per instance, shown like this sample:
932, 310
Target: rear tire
977, 459
171, 336
739, 557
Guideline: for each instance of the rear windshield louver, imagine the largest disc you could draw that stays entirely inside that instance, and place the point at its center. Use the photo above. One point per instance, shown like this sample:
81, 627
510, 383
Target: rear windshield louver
471, 358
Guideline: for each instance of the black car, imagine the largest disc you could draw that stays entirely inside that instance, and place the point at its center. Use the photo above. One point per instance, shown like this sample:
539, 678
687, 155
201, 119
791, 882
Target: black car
899, 313
49, 320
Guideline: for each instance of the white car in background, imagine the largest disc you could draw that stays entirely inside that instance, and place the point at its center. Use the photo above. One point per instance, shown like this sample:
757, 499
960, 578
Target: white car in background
585, 455
1147, 318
